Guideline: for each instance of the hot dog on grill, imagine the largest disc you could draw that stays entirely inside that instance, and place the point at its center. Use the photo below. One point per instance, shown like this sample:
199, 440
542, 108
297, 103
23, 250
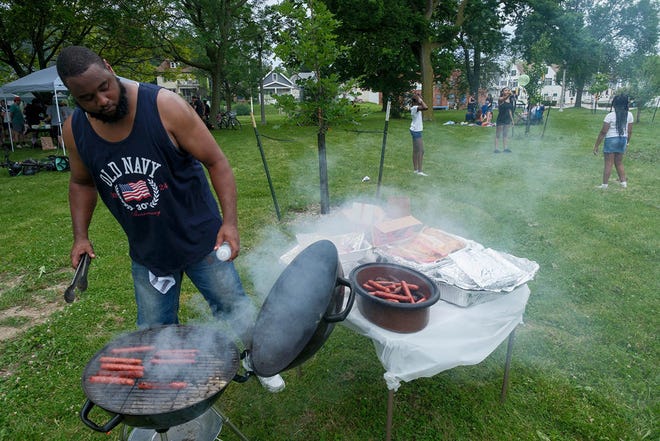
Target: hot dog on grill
102, 379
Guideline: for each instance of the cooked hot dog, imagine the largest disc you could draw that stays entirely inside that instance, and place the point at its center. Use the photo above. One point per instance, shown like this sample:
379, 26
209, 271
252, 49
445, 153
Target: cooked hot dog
176, 353
406, 290
120, 360
155, 385
121, 367
125, 374
390, 296
129, 349
102, 379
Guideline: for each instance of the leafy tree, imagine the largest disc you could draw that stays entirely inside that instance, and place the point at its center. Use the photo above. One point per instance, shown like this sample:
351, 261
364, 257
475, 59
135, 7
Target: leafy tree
403, 40
263, 32
599, 84
481, 39
644, 84
586, 37
374, 34
637, 33
410, 41
308, 42
571, 43
212, 36
33, 33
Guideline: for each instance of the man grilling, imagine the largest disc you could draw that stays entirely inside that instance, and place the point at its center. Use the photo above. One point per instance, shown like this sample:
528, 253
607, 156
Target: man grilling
141, 148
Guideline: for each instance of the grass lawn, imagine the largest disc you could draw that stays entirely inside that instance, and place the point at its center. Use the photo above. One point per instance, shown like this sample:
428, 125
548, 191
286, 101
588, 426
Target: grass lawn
585, 362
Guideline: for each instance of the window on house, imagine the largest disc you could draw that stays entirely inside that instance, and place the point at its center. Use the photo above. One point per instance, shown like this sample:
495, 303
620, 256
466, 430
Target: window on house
274, 76
174, 65
514, 73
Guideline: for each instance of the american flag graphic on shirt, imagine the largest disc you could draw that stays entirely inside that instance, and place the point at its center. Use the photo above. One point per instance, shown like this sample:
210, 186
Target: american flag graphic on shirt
134, 191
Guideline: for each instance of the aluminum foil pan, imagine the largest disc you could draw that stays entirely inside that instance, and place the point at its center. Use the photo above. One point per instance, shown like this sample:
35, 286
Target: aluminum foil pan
475, 268
486, 269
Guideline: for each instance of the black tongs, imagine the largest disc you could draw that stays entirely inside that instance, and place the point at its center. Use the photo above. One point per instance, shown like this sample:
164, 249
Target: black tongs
79, 281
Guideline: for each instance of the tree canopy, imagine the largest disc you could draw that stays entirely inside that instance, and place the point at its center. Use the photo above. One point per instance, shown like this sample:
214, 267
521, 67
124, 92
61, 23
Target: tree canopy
384, 45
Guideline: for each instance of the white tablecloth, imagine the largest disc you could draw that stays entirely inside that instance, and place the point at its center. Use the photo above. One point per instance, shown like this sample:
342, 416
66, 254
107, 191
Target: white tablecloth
455, 336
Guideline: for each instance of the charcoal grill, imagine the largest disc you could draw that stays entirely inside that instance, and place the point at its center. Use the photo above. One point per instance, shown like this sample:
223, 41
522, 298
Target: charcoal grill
216, 364
301, 310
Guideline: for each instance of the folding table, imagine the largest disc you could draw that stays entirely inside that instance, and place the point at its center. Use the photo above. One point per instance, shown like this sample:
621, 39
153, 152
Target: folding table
454, 336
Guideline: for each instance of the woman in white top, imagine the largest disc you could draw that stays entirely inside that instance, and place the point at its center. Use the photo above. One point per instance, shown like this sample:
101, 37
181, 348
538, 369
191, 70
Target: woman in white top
617, 130
416, 127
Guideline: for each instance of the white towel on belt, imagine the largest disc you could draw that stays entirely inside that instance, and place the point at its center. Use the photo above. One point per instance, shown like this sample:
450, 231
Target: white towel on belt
162, 284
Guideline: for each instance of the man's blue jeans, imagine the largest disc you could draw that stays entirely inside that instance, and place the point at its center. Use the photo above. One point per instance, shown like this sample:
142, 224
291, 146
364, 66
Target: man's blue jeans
217, 281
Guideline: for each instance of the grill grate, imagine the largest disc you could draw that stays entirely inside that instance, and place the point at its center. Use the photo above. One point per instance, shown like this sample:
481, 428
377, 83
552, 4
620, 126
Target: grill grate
215, 364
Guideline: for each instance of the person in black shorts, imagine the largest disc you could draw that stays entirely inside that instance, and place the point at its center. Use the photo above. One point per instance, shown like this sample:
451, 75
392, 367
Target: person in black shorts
504, 119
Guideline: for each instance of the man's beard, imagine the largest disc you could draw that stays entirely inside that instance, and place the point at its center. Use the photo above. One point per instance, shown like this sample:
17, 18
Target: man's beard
120, 112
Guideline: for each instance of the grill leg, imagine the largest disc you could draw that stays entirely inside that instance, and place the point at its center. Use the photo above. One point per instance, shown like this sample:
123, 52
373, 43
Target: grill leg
507, 365
232, 426
124, 433
390, 411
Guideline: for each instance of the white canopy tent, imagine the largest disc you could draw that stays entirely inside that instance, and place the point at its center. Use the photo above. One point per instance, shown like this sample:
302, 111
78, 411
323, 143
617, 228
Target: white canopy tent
44, 80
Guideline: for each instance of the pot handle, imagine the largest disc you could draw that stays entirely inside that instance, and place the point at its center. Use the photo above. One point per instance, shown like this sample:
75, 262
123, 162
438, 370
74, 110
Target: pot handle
107, 427
341, 316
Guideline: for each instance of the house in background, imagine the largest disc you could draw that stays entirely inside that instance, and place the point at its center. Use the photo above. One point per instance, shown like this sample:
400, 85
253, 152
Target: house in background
276, 83
550, 90
179, 78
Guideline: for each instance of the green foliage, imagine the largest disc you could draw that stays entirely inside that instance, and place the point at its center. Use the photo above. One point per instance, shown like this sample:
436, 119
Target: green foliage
599, 84
309, 43
288, 104
376, 36
309, 39
335, 100
586, 38
34, 33
536, 69
645, 81
481, 37
219, 39
241, 109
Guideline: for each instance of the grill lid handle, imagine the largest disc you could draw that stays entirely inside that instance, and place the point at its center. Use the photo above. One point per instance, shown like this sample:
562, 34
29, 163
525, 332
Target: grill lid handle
107, 427
341, 316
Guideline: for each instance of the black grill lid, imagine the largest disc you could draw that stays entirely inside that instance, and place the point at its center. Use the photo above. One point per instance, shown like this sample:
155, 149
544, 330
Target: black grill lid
295, 308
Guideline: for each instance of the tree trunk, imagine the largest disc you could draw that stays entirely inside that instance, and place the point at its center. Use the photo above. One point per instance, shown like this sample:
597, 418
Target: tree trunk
468, 70
216, 93
473, 72
579, 88
323, 173
476, 75
227, 95
427, 77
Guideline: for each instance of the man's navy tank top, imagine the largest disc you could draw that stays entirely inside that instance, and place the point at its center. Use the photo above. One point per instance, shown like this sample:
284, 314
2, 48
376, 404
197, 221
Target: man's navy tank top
159, 194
